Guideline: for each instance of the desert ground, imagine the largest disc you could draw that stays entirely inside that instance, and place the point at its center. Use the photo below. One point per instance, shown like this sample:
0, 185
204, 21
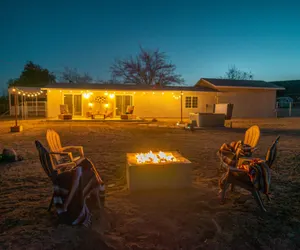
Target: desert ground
182, 219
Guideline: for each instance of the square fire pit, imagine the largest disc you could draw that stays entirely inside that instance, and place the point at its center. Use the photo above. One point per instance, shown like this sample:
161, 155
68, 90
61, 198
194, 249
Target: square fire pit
158, 170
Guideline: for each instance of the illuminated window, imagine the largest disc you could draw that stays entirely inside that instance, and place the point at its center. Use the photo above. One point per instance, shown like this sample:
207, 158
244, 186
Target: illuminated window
195, 102
191, 102
188, 102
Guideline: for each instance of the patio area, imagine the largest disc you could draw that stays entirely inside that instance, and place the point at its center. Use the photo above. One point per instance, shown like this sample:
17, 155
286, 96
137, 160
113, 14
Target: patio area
85, 119
152, 219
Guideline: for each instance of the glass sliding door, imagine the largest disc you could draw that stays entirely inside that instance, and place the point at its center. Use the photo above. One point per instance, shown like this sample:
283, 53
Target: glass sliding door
68, 99
77, 105
122, 101
74, 103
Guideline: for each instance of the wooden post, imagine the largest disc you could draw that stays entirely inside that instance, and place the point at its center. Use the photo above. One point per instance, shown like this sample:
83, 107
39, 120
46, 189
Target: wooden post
16, 128
36, 109
290, 109
181, 107
9, 100
16, 115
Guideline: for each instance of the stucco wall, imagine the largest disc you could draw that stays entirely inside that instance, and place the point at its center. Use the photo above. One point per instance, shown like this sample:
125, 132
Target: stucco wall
247, 103
250, 103
147, 104
165, 105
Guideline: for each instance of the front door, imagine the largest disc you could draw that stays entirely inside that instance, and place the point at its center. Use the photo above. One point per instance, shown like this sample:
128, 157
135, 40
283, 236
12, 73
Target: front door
122, 101
74, 103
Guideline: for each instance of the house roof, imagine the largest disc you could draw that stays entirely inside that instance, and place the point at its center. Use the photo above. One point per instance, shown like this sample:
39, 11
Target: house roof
98, 86
250, 84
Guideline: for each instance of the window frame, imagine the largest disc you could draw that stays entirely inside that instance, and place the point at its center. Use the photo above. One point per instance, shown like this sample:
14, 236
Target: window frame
192, 100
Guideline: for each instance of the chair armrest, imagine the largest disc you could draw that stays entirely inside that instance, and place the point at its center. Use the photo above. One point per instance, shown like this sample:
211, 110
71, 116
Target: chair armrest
63, 154
254, 149
233, 169
79, 148
62, 167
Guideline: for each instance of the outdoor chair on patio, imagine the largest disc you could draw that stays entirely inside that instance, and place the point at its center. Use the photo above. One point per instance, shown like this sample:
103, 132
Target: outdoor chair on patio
129, 113
250, 174
64, 113
54, 143
241, 148
59, 173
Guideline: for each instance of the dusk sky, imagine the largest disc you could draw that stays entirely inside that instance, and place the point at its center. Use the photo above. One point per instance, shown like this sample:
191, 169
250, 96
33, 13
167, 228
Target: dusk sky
202, 38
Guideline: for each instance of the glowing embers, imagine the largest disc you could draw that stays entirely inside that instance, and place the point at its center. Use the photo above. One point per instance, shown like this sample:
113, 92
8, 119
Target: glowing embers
150, 157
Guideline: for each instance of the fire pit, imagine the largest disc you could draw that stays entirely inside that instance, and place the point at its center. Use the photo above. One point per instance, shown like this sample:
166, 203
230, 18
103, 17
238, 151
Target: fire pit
157, 170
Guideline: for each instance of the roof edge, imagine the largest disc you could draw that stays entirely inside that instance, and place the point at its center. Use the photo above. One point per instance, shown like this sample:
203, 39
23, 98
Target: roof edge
244, 87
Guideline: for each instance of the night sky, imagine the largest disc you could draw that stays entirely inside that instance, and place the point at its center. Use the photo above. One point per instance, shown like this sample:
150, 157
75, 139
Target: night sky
202, 38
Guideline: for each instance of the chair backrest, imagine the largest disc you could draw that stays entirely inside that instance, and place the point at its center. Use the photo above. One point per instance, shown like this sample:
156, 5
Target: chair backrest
45, 160
272, 153
252, 136
130, 109
64, 109
53, 140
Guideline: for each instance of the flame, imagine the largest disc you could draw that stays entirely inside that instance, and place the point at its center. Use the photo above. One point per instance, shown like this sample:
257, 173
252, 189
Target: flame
151, 157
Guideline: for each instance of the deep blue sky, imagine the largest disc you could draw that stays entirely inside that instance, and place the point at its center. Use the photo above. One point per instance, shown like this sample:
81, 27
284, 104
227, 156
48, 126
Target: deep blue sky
201, 37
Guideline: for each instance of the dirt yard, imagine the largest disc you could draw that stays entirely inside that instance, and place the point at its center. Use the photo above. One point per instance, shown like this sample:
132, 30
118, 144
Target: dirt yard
151, 220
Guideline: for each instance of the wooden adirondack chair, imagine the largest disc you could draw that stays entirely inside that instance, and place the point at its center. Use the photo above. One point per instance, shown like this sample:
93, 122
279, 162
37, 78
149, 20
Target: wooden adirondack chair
52, 170
54, 143
240, 177
251, 138
49, 166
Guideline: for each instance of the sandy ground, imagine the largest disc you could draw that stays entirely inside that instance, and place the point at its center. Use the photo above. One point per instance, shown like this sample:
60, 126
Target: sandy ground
152, 220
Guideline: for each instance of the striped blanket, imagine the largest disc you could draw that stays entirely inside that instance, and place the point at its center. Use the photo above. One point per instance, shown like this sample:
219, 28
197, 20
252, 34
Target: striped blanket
83, 179
260, 175
229, 153
257, 169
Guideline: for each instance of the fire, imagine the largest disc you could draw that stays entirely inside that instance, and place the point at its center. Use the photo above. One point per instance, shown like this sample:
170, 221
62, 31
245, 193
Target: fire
151, 157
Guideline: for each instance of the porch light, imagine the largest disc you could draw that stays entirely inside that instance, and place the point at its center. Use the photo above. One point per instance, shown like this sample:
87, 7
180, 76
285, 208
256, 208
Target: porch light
24, 94
19, 92
86, 95
105, 93
14, 90
91, 104
162, 93
111, 96
106, 105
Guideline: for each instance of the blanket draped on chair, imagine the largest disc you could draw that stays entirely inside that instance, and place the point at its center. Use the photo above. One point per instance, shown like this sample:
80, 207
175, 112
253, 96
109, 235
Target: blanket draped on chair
229, 153
260, 175
77, 211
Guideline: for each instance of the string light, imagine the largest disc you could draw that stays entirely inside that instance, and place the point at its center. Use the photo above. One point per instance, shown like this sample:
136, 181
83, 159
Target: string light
26, 93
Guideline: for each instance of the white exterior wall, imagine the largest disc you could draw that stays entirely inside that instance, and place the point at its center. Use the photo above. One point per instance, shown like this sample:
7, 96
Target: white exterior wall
250, 103
161, 104
247, 103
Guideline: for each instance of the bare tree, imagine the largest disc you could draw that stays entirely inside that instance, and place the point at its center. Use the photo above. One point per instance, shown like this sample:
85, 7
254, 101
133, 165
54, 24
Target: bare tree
73, 76
235, 74
148, 67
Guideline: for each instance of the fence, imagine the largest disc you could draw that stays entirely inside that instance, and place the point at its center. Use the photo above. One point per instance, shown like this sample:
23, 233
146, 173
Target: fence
288, 109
